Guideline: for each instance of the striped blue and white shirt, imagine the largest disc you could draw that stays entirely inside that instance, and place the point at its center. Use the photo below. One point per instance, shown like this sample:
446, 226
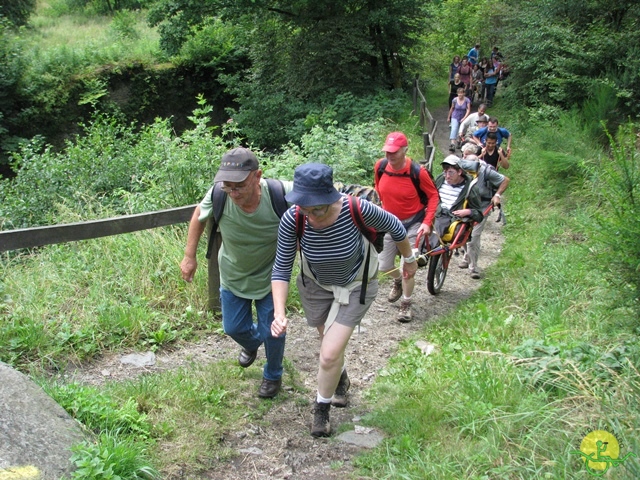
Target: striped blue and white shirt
334, 253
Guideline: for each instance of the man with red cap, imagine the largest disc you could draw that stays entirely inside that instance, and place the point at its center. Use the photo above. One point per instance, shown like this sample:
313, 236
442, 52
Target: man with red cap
407, 191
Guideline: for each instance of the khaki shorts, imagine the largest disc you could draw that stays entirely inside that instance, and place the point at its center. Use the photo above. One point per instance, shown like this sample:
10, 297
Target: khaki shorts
387, 257
317, 301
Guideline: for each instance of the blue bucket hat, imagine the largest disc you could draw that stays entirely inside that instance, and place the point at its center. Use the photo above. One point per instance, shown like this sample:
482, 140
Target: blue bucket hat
313, 185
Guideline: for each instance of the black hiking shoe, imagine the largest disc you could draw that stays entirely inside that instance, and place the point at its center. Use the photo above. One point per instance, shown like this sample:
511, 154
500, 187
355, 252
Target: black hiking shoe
321, 427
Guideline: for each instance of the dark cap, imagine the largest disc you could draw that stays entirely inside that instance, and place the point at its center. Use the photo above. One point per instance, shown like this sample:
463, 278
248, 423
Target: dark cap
313, 185
236, 165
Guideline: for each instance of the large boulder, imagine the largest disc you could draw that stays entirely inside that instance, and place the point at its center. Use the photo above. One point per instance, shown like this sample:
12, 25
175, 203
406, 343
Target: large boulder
36, 434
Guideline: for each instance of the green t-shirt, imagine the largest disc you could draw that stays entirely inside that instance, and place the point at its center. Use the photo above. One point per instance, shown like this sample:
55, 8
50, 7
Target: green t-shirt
248, 244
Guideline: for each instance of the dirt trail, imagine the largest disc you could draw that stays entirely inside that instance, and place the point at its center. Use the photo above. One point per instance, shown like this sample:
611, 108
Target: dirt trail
282, 448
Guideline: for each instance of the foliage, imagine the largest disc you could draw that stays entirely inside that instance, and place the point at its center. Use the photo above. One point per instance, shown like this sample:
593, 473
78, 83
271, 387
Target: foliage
11, 66
615, 186
111, 162
98, 412
562, 51
111, 458
454, 26
294, 55
17, 11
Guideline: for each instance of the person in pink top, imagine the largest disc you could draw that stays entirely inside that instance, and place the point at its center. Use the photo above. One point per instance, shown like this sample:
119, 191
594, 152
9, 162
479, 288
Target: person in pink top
407, 191
466, 72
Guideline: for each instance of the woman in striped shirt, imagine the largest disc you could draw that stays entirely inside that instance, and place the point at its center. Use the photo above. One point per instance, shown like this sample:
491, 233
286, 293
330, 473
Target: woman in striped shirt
333, 255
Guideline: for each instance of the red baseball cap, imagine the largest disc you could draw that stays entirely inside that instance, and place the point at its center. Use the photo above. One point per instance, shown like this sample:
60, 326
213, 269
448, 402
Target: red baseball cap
394, 142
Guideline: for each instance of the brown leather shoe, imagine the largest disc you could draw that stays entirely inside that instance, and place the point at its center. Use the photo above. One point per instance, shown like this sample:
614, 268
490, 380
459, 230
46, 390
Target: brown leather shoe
269, 388
396, 291
246, 358
321, 426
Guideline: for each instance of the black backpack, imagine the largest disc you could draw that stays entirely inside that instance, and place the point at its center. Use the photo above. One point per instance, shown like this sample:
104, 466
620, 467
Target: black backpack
219, 198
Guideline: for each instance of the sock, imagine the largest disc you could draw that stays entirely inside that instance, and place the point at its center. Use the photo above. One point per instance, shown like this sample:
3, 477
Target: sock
405, 298
321, 399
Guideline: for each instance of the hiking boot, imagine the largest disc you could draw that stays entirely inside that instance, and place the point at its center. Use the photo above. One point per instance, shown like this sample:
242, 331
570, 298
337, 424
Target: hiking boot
475, 274
321, 426
463, 264
340, 395
246, 358
396, 291
405, 314
269, 388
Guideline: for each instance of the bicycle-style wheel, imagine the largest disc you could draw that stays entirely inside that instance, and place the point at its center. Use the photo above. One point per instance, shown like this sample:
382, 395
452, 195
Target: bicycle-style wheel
436, 274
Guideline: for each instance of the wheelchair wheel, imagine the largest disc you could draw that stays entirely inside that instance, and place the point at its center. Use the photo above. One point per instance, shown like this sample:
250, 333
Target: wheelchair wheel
436, 274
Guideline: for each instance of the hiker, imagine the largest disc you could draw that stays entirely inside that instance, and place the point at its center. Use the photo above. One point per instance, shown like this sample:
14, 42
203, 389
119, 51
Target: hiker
454, 85
458, 113
453, 67
466, 72
490, 186
474, 54
472, 123
407, 191
458, 198
493, 154
334, 257
480, 135
249, 230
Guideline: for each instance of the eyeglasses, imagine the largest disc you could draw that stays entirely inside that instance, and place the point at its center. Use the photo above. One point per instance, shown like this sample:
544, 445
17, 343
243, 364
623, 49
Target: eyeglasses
239, 188
449, 171
318, 211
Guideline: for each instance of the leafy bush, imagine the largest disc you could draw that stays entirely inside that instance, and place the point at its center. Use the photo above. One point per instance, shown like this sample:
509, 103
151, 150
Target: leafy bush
127, 171
615, 184
17, 11
351, 150
111, 458
98, 412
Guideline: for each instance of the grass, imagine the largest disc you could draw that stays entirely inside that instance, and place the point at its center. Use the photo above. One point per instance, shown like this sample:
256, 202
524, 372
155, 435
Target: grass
60, 44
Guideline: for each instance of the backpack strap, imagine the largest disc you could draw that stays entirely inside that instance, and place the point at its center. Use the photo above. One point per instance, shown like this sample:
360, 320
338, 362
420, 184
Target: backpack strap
219, 199
277, 193
299, 232
356, 215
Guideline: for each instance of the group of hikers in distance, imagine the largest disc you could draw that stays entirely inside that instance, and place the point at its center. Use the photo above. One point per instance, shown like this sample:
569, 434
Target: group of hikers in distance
268, 223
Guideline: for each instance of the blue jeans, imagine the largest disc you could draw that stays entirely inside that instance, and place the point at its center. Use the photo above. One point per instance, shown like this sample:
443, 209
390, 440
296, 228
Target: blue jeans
237, 321
491, 91
455, 126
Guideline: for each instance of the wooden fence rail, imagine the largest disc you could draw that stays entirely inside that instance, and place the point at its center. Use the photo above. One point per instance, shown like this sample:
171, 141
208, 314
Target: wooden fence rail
427, 123
73, 232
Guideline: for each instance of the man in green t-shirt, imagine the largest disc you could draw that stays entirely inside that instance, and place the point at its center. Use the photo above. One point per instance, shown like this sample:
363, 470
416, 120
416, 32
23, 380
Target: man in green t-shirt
249, 230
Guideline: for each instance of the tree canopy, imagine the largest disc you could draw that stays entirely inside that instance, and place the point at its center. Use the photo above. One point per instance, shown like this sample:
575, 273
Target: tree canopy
17, 11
